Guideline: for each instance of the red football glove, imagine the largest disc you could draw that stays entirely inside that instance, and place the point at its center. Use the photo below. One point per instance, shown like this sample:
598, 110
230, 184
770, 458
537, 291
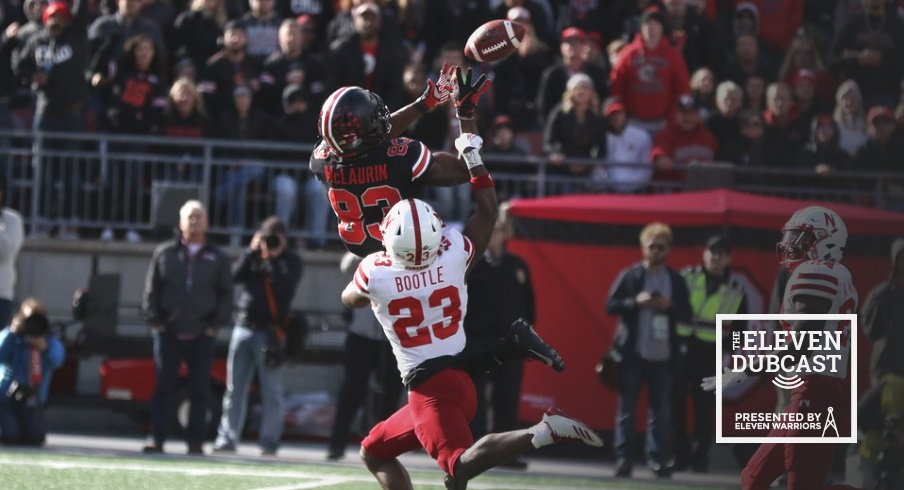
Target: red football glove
437, 93
467, 93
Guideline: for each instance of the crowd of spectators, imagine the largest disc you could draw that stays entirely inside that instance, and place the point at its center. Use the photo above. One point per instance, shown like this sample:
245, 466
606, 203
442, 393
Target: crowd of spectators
800, 84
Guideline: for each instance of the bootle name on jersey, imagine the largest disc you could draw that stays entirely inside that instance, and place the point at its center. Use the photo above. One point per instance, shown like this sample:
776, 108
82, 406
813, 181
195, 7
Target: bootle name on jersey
362, 189
420, 310
831, 281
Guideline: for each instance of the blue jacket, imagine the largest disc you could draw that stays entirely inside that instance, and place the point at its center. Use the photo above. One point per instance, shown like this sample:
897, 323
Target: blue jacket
14, 355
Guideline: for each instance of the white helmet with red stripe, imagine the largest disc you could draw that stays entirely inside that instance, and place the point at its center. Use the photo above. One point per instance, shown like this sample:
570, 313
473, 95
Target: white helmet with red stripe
353, 120
412, 233
812, 233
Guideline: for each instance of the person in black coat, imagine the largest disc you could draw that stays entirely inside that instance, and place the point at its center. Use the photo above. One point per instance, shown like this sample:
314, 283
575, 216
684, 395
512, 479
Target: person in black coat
135, 95
53, 62
108, 34
725, 124
196, 32
575, 52
500, 293
294, 64
369, 58
650, 298
695, 35
229, 68
520, 74
822, 155
575, 128
883, 314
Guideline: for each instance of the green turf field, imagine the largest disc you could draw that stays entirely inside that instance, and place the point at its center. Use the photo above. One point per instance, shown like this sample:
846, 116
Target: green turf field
36, 470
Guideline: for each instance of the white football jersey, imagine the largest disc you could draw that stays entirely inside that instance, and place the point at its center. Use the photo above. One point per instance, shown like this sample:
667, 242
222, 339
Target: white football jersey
421, 311
831, 281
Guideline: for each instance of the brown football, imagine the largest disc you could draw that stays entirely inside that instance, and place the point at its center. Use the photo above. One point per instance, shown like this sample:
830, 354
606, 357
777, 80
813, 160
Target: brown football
494, 41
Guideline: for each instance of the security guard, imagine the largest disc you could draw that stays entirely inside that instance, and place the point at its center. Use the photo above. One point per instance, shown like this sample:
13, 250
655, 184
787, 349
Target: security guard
713, 290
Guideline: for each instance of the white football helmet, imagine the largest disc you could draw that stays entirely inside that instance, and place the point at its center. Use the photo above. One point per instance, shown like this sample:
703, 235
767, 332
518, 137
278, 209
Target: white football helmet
412, 233
812, 233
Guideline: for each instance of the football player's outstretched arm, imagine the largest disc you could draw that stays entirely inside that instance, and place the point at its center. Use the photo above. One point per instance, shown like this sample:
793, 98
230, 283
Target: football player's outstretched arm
448, 169
435, 95
351, 298
480, 227
353, 295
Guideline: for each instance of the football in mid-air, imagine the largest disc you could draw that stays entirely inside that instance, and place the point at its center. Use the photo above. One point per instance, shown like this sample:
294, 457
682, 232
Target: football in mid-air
494, 41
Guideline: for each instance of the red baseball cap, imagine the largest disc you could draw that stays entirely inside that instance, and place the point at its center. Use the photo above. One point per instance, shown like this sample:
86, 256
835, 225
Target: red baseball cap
613, 105
880, 112
573, 33
803, 74
56, 8
502, 120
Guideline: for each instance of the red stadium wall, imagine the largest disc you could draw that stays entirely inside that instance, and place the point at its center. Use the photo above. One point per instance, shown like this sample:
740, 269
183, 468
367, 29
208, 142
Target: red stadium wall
572, 280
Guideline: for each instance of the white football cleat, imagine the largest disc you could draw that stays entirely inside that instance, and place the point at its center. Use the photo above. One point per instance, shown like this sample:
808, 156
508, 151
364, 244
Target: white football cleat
567, 429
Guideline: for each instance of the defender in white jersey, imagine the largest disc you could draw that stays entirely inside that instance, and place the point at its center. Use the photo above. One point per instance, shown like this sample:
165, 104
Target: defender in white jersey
417, 288
830, 282
435, 295
812, 246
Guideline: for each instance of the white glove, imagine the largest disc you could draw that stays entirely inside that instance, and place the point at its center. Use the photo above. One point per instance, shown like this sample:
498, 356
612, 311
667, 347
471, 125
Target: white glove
729, 379
467, 142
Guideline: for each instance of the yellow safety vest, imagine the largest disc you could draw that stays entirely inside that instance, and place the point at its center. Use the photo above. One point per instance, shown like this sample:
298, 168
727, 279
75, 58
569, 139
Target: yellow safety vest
727, 299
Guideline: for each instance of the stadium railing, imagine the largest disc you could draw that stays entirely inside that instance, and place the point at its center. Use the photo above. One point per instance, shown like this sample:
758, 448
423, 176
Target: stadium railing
93, 181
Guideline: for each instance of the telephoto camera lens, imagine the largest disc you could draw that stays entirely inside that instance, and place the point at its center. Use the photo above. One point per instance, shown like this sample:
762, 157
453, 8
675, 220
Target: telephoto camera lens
272, 241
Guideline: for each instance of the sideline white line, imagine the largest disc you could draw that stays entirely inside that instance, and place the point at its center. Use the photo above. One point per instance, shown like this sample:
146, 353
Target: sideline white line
326, 482
319, 479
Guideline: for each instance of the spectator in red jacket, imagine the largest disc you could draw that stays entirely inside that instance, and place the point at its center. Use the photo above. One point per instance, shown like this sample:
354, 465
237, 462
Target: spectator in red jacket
650, 75
684, 141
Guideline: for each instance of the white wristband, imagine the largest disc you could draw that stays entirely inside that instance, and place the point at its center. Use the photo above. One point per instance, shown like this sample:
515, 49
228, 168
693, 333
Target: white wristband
472, 158
468, 145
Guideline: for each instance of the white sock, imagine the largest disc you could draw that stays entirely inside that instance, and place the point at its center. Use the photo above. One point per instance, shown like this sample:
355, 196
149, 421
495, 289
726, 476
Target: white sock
542, 435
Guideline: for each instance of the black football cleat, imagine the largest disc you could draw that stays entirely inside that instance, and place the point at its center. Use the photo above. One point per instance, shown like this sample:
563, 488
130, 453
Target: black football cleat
526, 339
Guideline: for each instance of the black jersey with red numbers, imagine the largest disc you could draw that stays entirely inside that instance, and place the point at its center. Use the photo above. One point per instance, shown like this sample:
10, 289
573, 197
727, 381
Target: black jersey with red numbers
362, 189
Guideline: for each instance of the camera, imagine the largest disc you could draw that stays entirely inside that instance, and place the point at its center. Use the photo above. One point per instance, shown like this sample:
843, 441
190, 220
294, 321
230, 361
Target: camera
22, 394
273, 353
272, 357
36, 325
272, 240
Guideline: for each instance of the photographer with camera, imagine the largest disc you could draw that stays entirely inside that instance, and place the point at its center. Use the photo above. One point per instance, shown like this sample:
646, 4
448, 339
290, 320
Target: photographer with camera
28, 356
268, 274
